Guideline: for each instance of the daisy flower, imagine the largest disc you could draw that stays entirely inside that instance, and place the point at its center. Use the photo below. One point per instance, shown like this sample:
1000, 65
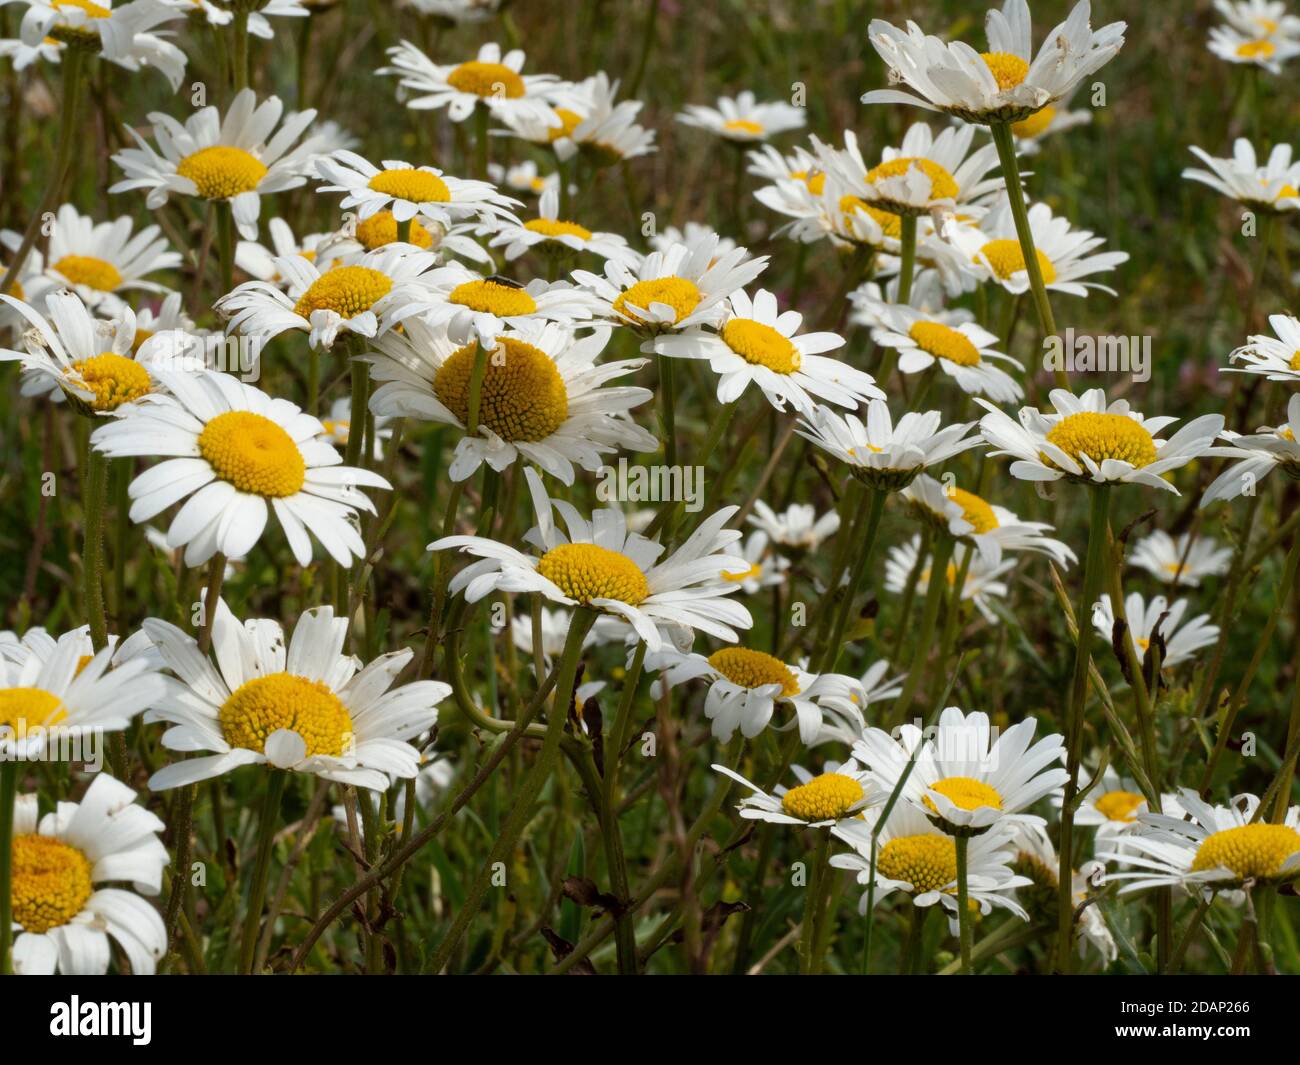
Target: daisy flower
359, 296
312, 709
1276, 359
1035, 855
62, 919
1113, 806
608, 132
746, 686
983, 579
555, 631
1007, 83
953, 341
845, 723
1087, 440
1259, 454
461, 12
122, 34
1209, 849
1159, 617
258, 260
840, 794
258, 25
38, 642
1064, 253
406, 191
523, 177
674, 289
22, 55
1265, 17
168, 317
233, 160
491, 79
1029, 132
1254, 47
1173, 561
1270, 187
551, 235
764, 569
742, 118
338, 426
542, 396
797, 530
688, 234
880, 454
236, 453
600, 565
970, 519
968, 776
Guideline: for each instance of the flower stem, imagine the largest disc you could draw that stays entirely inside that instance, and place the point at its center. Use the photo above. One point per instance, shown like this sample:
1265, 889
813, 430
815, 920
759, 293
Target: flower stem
8, 791
94, 499
240, 60
907, 261
866, 523
816, 901
226, 244
266, 827
934, 589
624, 929
963, 907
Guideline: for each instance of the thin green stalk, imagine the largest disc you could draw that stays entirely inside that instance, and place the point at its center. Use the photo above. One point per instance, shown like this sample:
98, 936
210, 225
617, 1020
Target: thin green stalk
667, 394
8, 791
815, 902
963, 900
866, 524
647, 43
624, 928
226, 245
269, 821
481, 115
240, 62
907, 260
936, 584
94, 500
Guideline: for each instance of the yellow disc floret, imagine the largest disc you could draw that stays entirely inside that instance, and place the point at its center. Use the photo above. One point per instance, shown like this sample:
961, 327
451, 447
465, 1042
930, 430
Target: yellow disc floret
975, 510
253, 453
928, 863
486, 79
1119, 805
1035, 125
381, 228
51, 882
552, 227
761, 345
408, 183
1103, 436
86, 270
965, 793
1007, 258
1253, 852
942, 184
569, 121
753, 669
222, 171
346, 290
114, 379
522, 396
585, 572
24, 708
676, 292
743, 125
263, 705
492, 297
944, 342
890, 223
828, 797
1260, 49
1008, 69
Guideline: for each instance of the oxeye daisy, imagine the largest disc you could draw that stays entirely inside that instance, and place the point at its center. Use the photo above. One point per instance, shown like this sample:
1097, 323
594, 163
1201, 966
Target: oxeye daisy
1064, 253
1209, 849
258, 261
746, 686
406, 191
541, 396
462, 12
688, 234
599, 564
362, 295
608, 133
1112, 808
38, 642
54, 699
72, 354
1054, 118
63, 921
1037, 860
170, 316
1158, 618
797, 530
983, 578
122, 34
1007, 83
1277, 359
1258, 16
491, 79
1175, 560
1253, 47
970, 519
299, 704
472, 307
841, 793
743, 118
846, 722
1260, 453
1086, 439
1272, 187
757, 343
674, 289
554, 236
525, 178
258, 25
338, 426
102, 261
765, 568
555, 629
881, 454
953, 341
22, 55
235, 159
236, 453
968, 775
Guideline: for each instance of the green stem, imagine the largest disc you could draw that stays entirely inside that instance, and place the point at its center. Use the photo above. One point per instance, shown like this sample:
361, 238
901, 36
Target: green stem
909, 962
624, 929
240, 72
815, 903
481, 115
94, 499
907, 262
270, 819
667, 393
647, 43
934, 591
963, 907
870, 509
8, 792
226, 244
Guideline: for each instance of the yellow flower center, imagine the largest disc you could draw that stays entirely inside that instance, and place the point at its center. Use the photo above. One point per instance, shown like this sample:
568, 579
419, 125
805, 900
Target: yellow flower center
15, 290
1251, 851
222, 171
1035, 125
1295, 361
1008, 69
676, 292
825, 798
114, 379
928, 863
743, 125
816, 181
754, 571
753, 669
87, 270
23, 708
522, 397
942, 184
1266, 24
1103, 436
974, 510
491, 297
486, 79
51, 882
253, 453
944, 342
346, 290
761, 345
408, 183
1261, 49
1119, 805
284, 701
1006, 257
381, 228
890, 223
1286, 192
92, 10
551, 227
585, 572
570, 120
965, 793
